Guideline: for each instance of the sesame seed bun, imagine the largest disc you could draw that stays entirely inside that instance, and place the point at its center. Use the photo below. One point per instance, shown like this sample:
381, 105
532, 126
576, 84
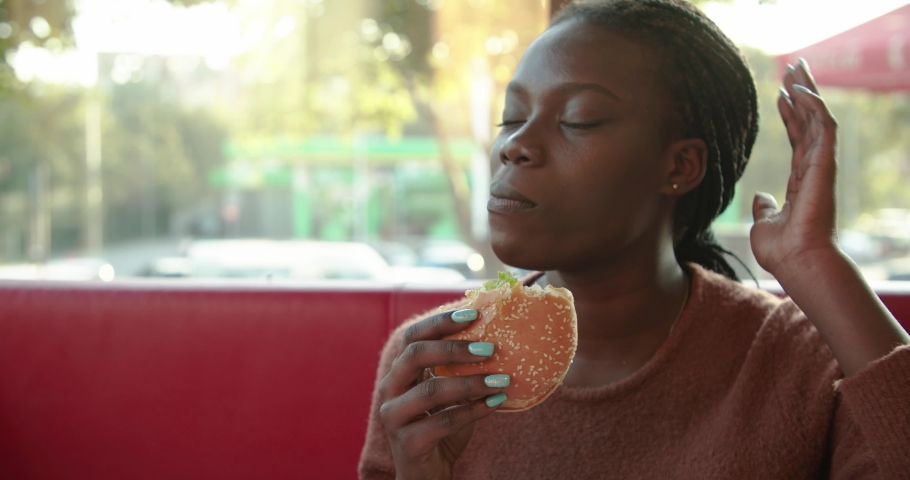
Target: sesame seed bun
535, 332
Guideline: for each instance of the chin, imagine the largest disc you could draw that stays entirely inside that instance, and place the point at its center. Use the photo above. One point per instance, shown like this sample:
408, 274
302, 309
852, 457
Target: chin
522, 254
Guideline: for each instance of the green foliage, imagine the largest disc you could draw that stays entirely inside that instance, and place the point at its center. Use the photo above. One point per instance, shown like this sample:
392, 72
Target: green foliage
153, 144
47, 129
28, 19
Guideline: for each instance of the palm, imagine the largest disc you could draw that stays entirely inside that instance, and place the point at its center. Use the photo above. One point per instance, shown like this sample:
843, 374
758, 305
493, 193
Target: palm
449, 449
438, 462
807, 220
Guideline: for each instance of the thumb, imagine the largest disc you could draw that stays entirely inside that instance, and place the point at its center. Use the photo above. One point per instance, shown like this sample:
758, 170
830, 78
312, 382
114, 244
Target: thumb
764, 206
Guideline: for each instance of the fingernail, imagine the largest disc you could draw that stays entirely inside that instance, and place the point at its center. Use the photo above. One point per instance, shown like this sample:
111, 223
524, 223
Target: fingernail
801, 88
462, 316
499, 380
496, 400
784, 93
483, 349
790, 68
802, 61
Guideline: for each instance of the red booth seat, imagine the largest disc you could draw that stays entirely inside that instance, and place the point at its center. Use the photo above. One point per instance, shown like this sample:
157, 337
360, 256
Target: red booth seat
152, 380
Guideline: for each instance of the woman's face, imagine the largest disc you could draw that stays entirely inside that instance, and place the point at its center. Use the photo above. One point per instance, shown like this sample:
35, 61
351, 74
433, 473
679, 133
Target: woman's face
583, 151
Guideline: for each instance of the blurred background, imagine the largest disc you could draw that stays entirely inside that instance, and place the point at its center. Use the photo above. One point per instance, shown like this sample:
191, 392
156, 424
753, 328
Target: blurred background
348, 139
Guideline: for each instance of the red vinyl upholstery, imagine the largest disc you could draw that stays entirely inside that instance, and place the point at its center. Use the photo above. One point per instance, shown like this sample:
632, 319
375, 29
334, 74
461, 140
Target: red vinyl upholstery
164, 380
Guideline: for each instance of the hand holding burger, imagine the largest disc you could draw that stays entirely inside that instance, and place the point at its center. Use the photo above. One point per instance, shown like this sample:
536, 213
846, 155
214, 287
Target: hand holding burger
508, 349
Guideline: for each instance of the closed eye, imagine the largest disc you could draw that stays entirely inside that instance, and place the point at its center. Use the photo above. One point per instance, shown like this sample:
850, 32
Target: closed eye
583, 126
508, 123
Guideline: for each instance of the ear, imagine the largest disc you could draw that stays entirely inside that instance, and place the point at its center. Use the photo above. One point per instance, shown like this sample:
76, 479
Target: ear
687, 163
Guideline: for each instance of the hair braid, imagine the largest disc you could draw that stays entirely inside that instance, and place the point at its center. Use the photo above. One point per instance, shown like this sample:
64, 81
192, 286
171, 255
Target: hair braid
714, 94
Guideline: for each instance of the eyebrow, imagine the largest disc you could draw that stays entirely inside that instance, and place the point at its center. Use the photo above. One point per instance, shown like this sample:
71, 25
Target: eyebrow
568, 88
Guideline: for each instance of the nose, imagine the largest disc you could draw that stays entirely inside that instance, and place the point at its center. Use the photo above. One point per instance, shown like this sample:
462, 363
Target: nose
521, 148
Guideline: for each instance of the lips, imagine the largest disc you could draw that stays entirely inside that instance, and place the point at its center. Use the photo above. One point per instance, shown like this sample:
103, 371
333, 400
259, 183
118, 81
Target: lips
506, 199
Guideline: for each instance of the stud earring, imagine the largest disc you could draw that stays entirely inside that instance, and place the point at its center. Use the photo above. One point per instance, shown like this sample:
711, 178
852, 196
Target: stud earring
675, 187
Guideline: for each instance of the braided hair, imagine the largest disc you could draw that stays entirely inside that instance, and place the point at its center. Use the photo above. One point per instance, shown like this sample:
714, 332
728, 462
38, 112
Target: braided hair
715, 99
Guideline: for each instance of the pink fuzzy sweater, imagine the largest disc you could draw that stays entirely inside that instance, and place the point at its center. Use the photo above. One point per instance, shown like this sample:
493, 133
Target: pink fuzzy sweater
744, 387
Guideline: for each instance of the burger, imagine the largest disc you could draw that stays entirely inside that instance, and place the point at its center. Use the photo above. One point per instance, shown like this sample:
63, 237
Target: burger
535, 334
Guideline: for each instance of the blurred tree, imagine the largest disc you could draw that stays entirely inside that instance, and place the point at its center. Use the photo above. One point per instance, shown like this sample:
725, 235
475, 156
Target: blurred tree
43, 23
157, 156
41, 145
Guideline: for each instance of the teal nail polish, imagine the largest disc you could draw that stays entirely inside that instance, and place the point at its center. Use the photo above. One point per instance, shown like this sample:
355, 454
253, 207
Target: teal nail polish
483, 349
801, 88
462, 316
784, 93
500, 380
496, 400
802, 61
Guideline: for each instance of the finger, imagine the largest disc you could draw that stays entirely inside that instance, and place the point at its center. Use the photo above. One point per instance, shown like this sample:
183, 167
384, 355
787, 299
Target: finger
822, 126
764, 206
804, 76
816, 108
790, 81
440, 325
437, 392
430, 353
789, 118
423, 435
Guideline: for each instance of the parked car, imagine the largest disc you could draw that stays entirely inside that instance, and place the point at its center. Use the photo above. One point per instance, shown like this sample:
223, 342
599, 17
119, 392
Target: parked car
453, 254
292, 259
65, 269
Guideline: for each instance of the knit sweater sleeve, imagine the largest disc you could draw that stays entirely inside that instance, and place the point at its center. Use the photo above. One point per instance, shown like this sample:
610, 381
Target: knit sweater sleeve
871, 434
376, 462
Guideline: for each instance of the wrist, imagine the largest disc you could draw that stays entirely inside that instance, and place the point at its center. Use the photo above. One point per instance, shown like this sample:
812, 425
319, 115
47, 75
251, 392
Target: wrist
810, 265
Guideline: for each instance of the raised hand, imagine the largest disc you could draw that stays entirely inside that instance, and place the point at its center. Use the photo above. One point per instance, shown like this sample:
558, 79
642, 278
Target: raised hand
798, 243
806, 223
429, 423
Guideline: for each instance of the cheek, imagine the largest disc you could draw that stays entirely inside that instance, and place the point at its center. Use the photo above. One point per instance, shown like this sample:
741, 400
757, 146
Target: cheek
610, 201
597, 203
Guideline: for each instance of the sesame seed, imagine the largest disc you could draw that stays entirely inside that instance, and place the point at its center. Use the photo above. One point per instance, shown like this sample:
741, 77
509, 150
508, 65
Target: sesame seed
522, 359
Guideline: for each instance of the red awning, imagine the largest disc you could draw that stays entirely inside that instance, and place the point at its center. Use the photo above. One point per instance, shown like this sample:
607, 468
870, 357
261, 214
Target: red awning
872, 56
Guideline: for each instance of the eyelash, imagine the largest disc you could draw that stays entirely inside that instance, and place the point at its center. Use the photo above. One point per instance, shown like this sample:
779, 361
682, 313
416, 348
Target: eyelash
576, 126
582, 126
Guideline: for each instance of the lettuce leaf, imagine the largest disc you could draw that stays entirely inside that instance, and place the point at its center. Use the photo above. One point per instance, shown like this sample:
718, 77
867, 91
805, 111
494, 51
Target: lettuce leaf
505, 278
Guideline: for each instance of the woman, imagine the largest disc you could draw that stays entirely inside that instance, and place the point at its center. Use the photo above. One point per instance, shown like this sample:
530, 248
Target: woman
625, 128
